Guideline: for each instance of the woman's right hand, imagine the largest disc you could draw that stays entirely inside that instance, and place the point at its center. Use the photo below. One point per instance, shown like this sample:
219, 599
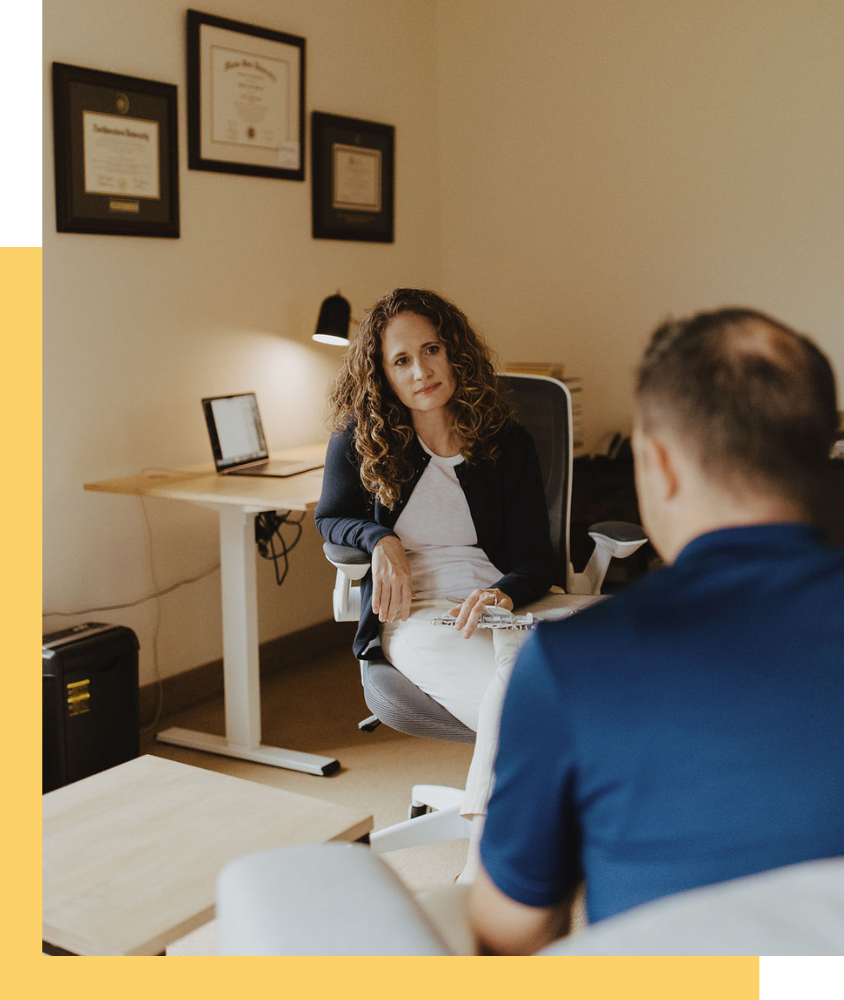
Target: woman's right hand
392, 588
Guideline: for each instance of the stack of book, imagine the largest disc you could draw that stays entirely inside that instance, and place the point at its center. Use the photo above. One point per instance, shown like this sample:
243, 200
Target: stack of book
578, 433
575, 387
535, 368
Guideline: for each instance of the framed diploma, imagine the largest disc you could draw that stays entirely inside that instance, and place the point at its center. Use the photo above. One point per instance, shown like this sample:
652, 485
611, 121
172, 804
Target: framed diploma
352, 178
116, 153
246, 99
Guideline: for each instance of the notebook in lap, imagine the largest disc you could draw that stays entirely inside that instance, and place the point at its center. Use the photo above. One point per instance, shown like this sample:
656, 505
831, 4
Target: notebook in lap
238, 442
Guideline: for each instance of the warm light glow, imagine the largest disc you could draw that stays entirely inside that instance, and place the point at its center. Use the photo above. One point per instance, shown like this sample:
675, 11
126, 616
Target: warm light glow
329, 338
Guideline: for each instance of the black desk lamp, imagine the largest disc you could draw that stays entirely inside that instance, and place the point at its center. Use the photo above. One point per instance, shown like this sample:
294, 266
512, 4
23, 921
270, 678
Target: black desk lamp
332, 327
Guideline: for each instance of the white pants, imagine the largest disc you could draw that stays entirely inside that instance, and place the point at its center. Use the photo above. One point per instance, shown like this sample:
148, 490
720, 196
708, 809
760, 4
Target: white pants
468, 677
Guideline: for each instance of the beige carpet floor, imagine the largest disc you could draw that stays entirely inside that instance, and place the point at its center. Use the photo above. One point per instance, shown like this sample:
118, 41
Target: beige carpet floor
315, 707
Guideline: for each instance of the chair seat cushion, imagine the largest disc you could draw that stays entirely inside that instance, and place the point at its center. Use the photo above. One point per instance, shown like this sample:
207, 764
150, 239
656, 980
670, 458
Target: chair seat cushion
399, 704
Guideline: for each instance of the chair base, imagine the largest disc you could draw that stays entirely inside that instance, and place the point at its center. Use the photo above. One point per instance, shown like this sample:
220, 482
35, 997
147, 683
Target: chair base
424, 827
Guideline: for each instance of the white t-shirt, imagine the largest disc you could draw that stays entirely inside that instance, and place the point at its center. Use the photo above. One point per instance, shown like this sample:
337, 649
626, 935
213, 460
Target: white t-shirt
438, 534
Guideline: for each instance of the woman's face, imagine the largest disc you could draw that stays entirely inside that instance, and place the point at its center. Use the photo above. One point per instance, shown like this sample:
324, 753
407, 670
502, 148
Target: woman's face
415, 363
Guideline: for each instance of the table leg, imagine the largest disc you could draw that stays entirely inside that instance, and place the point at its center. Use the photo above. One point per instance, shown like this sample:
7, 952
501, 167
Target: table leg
241, 673
54, 950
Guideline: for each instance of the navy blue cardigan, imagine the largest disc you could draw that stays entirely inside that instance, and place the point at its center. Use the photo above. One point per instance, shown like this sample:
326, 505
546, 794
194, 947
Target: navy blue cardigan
506, 500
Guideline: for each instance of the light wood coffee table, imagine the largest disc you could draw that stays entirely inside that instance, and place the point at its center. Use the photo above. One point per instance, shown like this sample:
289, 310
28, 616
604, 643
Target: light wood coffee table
131, 855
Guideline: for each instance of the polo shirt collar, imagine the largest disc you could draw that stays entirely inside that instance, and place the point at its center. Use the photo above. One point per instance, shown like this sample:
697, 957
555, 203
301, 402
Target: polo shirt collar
779, 536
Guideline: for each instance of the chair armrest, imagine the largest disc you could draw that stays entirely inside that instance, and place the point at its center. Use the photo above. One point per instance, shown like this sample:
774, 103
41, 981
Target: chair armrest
351, 562
619, 531
617, 539
345, 555
620, 538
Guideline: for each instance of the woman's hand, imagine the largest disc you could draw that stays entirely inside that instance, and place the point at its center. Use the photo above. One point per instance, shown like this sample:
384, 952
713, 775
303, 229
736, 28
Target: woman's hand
469, 613
392, 587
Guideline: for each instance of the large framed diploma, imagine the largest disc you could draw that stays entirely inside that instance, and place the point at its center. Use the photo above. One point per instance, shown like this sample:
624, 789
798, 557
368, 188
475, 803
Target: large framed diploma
116, 153
246, 98
353, 178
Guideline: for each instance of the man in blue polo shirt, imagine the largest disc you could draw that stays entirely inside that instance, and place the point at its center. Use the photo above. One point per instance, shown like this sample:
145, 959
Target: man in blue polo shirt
691, 729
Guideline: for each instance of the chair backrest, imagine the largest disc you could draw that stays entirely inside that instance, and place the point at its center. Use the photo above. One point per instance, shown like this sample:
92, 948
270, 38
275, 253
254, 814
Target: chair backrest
543, 406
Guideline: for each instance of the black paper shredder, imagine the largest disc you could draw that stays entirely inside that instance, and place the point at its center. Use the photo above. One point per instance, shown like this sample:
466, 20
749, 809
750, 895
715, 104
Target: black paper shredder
89, 701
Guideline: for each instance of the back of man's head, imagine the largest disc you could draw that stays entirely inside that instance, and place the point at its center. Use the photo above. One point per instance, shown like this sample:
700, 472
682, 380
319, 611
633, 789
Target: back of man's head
751, 399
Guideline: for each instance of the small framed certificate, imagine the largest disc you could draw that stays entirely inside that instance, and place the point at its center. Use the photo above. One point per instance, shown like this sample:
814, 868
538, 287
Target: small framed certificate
116, 153
246, 98
353, 178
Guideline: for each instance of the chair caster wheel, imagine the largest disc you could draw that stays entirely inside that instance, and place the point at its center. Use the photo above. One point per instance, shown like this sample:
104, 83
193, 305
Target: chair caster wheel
414, 811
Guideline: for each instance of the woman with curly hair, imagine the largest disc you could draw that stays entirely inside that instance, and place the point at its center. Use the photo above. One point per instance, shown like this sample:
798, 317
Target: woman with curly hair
429, 472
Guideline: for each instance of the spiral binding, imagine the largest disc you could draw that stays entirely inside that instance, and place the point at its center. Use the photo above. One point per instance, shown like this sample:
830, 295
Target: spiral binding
494, 618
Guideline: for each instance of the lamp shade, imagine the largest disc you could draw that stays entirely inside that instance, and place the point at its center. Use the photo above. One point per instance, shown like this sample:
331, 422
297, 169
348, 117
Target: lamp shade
332, 327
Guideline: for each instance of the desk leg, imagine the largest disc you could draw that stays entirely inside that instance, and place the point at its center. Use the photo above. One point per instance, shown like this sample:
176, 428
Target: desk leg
241, 672
239, 584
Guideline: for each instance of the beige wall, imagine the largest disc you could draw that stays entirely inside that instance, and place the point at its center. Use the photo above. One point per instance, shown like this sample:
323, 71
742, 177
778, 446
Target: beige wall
607, 162
136, 331
569, 171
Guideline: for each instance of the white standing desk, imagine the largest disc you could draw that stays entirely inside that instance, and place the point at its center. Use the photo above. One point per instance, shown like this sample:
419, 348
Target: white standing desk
237, 499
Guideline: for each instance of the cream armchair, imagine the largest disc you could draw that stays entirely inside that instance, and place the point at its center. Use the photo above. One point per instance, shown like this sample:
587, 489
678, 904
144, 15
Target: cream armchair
333, 899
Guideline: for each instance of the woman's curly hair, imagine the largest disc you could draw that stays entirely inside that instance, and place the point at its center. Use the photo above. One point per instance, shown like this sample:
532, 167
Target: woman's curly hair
360, 393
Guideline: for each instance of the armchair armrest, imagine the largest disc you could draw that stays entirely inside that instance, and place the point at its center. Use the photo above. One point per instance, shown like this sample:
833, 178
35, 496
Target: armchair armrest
319, 899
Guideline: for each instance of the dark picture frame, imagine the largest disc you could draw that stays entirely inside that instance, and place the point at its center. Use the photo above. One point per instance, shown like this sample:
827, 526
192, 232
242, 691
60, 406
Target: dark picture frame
246, 98
353, 163
116, 153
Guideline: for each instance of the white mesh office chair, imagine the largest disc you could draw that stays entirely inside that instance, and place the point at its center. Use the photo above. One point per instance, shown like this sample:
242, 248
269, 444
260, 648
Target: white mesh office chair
543, 406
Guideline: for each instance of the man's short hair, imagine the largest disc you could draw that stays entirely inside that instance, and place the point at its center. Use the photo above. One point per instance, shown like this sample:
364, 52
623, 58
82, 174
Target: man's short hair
754, 400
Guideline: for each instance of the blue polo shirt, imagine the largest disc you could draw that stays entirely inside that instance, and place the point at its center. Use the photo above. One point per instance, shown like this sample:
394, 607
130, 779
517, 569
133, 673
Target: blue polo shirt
687, 731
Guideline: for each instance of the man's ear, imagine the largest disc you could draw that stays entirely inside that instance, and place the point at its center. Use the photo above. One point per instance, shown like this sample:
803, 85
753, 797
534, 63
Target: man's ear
663, 467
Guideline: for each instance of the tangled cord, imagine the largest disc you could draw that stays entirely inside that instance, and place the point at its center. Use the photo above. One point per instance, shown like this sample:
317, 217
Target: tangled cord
268, 529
